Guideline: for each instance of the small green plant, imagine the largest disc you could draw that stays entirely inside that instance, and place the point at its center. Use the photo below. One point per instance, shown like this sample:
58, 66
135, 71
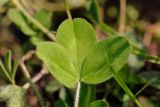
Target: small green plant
77, 57
8, 68
12, 94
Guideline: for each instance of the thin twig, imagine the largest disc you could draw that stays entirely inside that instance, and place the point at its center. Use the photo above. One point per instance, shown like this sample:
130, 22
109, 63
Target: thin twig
26, 72
135, 49
36, 78
147, 57
28, 77
76, 103
122, 18
131, 104
33, 20
27, 6
22, 61
56, 6
67, 9
143, 88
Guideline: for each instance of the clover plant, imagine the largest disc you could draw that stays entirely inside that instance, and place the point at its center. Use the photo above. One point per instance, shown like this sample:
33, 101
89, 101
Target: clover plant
78, 57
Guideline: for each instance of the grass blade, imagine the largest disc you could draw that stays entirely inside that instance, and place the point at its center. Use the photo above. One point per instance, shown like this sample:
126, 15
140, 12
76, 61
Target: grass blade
8, 61
125, 87
4, 73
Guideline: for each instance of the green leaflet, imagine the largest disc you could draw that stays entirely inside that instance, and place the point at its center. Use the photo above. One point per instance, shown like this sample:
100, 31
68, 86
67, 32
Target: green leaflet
78, 38
110, 53
99, 103
13, 95
57, 60
78, 57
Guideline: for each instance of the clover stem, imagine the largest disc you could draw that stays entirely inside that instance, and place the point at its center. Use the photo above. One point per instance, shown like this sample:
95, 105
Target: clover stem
76, 103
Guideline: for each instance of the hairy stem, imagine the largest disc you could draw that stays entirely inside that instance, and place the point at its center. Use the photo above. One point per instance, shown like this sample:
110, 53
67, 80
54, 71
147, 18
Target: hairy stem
77, 96
33, 20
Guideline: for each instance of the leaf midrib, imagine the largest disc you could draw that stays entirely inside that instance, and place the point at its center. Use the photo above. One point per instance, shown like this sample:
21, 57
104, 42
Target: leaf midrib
60, 67
77, 62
